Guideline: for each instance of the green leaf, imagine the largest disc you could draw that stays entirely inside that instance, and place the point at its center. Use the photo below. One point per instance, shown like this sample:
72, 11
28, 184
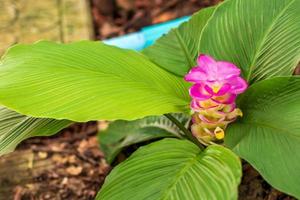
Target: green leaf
260, 36
122, 133
177, 51
15, 128
85, 81
174, 169
268, 136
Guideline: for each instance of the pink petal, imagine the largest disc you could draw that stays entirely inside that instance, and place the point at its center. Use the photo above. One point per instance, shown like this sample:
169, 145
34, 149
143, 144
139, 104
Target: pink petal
196, 74
209, 89
198, 92
227, 70
238, 85
205, 60
223, 90
226, 99
194, 104
209, 66
209, 104
229, 108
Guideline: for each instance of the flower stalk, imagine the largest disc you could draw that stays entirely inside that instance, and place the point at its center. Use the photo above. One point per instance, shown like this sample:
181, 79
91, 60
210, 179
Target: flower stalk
186, 132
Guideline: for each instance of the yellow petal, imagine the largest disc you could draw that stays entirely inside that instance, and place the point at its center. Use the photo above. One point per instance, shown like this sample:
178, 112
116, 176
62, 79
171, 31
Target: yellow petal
208, 103
216, 88
235, 113
239, 112
219, 133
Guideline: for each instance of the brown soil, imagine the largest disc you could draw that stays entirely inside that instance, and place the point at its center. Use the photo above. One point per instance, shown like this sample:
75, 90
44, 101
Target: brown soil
75, 167
68, 165
113, 18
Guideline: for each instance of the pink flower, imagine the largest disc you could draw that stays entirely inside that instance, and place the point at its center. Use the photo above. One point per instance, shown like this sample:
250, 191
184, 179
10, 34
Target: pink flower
215, 78
216, 86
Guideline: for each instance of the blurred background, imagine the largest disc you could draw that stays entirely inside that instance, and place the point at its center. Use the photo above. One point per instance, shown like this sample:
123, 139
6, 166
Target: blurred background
70, 165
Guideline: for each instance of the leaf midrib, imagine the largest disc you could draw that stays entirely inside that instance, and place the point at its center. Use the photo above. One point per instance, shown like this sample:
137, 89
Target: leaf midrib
129, 79
207, 22
150, 87
264, 38
184, 48
181, 173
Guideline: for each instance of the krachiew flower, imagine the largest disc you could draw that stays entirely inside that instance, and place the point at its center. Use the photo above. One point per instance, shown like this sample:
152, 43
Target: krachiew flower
216, 85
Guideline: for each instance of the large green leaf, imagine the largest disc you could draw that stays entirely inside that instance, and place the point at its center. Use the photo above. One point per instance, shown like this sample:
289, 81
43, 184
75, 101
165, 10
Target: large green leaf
177, 51
123, 133
87, 81
174, 169
260, 36
268, 136
15, 128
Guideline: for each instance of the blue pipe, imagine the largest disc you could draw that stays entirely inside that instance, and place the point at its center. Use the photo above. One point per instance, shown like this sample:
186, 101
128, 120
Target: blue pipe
145, 37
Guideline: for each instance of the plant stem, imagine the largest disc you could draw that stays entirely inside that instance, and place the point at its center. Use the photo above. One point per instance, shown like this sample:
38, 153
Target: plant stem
187, 133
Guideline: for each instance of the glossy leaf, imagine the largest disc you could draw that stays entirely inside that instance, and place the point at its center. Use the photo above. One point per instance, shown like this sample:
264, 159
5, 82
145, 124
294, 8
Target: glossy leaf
14, 128
268, 136
177, 51
174, 169
85, 81
123, 133
260, 36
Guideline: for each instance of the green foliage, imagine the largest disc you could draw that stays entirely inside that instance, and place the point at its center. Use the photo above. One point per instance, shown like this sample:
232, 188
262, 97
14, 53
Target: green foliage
15, 128
87, 81
177, 51
174, 169
90, 81
122, 133
262, 37
268, 136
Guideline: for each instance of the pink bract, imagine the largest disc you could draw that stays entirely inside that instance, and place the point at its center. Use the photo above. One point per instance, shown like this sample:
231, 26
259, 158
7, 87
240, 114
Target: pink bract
216, 84
214, 78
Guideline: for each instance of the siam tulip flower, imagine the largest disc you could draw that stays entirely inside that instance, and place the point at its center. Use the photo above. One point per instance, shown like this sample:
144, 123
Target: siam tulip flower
216, 84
